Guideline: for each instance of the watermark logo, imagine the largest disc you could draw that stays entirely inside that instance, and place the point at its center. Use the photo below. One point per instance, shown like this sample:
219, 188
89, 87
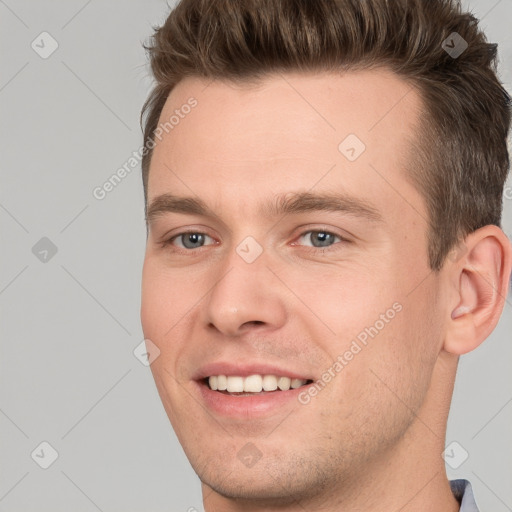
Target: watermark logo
458, 252
249, 455
44, 250
455, 455
454, 45
352, 147
146, 352
249, 249
44, 45
44, 455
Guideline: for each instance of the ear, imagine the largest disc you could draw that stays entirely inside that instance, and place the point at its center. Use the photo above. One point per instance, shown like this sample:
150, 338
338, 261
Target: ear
479, 275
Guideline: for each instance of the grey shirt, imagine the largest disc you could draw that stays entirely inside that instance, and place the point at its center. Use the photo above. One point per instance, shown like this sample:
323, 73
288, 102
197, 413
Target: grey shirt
464, 494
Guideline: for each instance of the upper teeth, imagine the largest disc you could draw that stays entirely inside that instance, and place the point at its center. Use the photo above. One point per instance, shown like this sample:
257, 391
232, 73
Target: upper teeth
253, 383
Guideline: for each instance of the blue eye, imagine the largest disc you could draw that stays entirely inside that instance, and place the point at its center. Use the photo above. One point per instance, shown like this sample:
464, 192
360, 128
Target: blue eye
316, 239
321, 239
190, 240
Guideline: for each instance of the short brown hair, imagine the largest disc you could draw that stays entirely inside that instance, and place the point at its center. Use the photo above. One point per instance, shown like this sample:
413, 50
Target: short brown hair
461, 160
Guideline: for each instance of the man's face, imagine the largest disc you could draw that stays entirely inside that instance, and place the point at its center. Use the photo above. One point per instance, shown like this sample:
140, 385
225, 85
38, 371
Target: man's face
274, 283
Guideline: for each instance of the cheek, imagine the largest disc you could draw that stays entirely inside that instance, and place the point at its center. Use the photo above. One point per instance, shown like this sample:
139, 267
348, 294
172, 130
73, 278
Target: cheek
165, 298
153, 299
403, 355
346, 300
162, 305
158, 316
378, 330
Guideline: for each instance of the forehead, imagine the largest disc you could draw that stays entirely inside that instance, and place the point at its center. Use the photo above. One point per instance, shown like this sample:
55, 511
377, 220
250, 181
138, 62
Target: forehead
351, 132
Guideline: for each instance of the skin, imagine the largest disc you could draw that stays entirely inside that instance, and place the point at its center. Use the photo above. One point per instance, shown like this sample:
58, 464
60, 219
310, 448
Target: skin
372, 438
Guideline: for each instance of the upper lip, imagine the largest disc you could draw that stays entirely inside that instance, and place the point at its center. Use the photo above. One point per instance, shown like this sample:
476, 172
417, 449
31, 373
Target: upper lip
246, 369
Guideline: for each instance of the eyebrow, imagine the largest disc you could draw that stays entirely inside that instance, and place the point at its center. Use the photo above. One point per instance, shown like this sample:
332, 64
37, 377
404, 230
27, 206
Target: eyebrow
290, 203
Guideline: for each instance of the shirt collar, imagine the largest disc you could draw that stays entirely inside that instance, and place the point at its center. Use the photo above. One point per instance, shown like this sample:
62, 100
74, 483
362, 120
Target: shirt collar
464, 494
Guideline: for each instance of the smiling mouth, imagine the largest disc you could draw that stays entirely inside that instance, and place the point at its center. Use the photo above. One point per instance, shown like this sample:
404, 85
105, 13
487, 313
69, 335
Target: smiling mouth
252, 384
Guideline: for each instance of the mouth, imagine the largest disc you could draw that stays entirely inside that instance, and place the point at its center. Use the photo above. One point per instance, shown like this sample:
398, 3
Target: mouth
243, 391
251, 385
247, 398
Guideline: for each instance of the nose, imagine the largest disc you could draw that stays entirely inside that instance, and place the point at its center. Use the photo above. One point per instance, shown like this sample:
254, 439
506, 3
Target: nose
246, 296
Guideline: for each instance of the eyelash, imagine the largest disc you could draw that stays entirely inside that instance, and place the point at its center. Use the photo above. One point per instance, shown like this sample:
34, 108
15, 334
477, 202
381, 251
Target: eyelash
169, 242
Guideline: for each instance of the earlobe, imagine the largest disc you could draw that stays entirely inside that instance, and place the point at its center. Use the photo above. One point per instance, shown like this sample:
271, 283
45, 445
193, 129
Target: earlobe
481, 279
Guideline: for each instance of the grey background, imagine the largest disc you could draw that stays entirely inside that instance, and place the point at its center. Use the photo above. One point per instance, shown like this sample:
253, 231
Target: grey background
69, 326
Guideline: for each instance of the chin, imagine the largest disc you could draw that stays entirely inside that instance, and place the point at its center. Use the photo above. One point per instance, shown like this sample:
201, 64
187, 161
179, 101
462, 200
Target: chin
253, 488
281, 479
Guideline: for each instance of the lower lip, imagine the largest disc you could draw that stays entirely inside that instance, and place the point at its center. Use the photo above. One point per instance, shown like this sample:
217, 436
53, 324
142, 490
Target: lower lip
248, 406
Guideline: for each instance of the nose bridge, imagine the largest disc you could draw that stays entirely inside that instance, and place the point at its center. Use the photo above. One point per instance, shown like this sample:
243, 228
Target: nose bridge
245, 293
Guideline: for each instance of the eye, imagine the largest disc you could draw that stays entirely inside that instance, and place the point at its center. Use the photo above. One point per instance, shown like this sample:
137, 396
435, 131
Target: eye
189, 240
320, 239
